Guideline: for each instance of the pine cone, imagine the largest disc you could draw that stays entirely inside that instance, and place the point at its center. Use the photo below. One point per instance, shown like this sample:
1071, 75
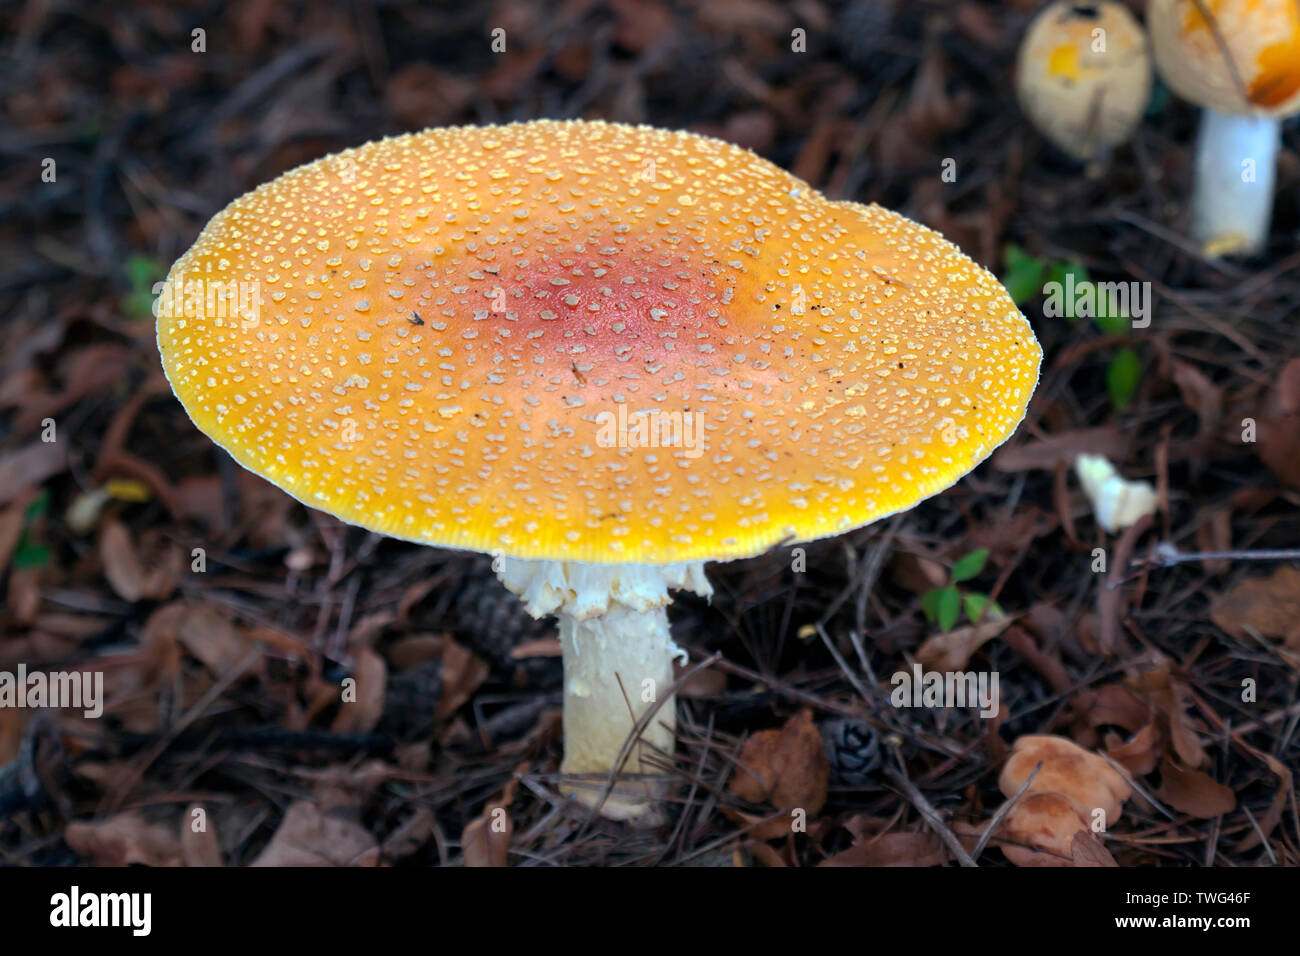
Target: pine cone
491, 620
852, 749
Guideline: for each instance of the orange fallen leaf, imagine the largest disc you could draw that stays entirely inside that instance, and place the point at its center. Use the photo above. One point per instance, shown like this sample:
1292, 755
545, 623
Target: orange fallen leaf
786, 768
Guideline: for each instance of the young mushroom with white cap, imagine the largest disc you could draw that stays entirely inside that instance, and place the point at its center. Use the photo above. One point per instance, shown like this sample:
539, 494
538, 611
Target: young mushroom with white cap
606, 354
1240, 61
1083, 76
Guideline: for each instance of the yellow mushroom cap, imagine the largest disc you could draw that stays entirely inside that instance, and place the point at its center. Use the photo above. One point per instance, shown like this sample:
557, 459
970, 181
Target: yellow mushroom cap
1083, 76
1262, 39
451, 326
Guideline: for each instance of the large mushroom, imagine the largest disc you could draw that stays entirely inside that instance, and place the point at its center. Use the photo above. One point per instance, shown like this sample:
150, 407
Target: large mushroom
606, 354
1240, 61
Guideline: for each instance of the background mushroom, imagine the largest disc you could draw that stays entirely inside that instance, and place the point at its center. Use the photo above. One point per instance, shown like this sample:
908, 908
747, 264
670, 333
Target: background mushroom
447, 325
1240, 61
1083, 776
1083, 76
1067, 785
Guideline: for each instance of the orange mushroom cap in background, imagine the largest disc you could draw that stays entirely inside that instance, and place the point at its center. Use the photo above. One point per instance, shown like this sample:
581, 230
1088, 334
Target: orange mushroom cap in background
1082, 776
1262, 38
419, 336
1083, 75
1040, 830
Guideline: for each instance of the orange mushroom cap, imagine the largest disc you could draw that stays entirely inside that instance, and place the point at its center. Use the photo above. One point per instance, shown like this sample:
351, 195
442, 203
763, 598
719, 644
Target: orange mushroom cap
1040, 830
1080, 775
420, 336
1262, 40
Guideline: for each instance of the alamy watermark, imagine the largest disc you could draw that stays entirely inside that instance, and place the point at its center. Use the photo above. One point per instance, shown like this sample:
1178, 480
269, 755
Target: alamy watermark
76, 690
74, 908
203, 298
652, 429
922, 688
1085, 299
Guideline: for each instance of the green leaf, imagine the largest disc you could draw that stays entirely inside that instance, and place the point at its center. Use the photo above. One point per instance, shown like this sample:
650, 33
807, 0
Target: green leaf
1024, 275
31, 555
141, 273
1122, 377
949, 608
975, 604
969, 566
930, 604
1060, 272
1112, 323
39, 506
1062, 268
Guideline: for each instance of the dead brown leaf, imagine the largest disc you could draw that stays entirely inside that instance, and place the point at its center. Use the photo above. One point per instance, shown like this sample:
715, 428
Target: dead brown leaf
123, 840
361, 714
199, 843
786, 768
122, 566
1048, 665
410, 835
1063, 448
306, 837
29, 467
1087, 850
893, 849
1199, 394
1171, 699
461, 673
211, 637
486, 840
1270, 606
1193, 792
1139, 754
542, 647
952, 651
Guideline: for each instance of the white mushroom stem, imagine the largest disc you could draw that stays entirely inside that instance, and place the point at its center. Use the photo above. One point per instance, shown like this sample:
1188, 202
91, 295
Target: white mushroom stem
618, 662
1236, 166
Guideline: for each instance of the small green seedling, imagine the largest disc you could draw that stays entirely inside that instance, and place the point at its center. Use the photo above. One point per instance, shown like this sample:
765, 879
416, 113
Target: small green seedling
943, 606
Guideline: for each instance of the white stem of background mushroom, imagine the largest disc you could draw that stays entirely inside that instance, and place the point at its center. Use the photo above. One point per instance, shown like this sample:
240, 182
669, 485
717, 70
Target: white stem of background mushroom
618, 659
1236, 165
